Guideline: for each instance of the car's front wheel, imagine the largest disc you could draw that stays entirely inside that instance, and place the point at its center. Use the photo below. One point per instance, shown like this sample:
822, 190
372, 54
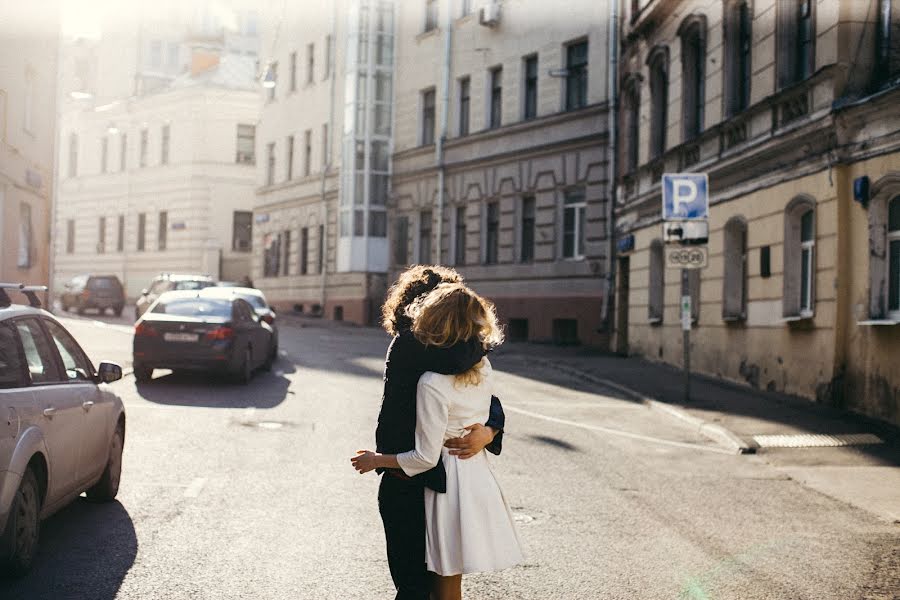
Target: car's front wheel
20, 539
106, 489
117, 310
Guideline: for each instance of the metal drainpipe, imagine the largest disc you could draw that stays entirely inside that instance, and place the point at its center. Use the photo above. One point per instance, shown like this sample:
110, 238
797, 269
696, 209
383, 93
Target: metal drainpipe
329, 158
612, 146
445, 116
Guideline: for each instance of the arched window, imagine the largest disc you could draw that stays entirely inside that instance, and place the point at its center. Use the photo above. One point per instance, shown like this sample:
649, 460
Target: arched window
657, 283
693, 74
734, 292
658, 61
631, 126
884, 248
796, 35
893, 242
799, 294
737, 31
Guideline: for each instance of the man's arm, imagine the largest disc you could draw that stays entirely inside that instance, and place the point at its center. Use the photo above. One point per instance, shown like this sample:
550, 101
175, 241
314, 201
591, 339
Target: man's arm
408, 353
497, 422
481, 437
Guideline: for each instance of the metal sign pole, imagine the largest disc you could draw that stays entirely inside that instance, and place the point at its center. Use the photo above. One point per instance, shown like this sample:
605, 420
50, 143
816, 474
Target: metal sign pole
686, 332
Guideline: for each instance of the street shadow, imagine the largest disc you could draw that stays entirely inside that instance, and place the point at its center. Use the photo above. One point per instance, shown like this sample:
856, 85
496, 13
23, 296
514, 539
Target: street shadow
555, 442
187, 388
85, 552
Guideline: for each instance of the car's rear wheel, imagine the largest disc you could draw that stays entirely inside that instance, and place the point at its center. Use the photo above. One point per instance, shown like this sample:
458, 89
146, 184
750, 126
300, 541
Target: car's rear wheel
245, 371
117, 310
106, 489
142, 374
271, 357
20, 539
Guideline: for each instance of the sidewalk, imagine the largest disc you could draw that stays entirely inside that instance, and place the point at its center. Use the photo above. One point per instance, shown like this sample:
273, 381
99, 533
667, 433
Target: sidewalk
823, 448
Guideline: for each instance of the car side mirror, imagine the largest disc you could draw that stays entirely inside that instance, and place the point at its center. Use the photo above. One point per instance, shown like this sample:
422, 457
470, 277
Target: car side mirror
108, 372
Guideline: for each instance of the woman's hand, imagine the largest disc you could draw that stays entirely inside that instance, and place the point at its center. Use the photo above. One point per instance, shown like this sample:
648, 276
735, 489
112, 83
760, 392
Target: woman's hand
474, 442
365, 461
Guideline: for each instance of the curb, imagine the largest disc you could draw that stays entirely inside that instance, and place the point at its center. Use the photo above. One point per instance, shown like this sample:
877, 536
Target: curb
712, 431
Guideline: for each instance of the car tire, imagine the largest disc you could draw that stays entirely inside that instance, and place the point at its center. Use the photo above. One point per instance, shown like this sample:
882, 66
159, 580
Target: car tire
80, 310
142, 374
245, 372
118, 311
23, 527
106, 489
65, 307
271, 358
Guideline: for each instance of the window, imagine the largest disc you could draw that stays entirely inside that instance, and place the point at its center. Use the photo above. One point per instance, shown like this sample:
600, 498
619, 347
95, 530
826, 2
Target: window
120, 234
101, 235
293, 71
799, 258
156, 54
574, 206
164, 145
632, 104
496, 105
734, 292
465, 7
659, 100
173, 55
26, 237
304, 250
425, 237
693, 62
12, 371
459, 238
893, 243
887, 43
431, 15
427, 117
145, 139
328, 44
737, 56
273, 70
310, 63
795, 31
104, 153
286, 249
162, 231
325, 157
526, 248
246, 145
270, 163
289, 158
242, 231
690, 286
271, 254
307, 152
320, 255
492, 233
73, 155
576, 75
656, 283
401, 241
38, 352
529, 108
464, 103
142, 232
123, 152
70, 236
76, 364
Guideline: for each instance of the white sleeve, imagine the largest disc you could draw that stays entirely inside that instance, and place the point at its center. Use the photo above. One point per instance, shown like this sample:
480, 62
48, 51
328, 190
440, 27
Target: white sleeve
432, 412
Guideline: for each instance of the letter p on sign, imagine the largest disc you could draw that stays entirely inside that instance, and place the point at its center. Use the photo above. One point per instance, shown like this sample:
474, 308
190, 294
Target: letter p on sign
685, 196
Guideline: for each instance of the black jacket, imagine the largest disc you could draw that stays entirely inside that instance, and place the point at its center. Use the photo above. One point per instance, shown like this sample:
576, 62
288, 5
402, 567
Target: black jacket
407, 360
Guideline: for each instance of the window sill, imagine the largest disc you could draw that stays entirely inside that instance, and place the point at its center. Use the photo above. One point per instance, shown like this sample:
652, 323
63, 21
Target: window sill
797, 318
428, 34
655, 320
878, 322
734, 318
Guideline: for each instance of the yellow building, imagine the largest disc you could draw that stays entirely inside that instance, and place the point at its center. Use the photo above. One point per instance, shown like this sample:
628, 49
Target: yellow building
792, 110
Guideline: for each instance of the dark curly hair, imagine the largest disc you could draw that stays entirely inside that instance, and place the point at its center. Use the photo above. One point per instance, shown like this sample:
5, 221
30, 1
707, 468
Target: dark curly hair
414, 282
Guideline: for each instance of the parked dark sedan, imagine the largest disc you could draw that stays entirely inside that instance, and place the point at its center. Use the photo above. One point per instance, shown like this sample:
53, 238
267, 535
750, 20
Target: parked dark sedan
208, 330
93, 292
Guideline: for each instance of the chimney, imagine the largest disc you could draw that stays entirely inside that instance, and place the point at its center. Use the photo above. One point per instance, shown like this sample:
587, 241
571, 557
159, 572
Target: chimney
203, 59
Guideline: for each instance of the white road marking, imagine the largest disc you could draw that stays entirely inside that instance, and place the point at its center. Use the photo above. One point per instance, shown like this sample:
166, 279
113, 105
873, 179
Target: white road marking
195, 488
635, 436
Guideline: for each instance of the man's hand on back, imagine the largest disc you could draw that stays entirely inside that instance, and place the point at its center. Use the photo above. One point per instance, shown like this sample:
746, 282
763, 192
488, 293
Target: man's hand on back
471, 444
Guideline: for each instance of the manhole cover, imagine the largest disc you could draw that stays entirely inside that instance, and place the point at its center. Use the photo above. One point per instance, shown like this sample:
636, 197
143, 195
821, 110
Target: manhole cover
812, 440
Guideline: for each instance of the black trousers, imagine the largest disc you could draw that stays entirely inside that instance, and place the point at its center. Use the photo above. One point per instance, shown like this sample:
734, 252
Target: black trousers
402, 507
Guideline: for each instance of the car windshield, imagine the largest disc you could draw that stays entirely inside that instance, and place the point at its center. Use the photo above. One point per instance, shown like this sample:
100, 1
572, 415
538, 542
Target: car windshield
102, 283
195, 307
191, 285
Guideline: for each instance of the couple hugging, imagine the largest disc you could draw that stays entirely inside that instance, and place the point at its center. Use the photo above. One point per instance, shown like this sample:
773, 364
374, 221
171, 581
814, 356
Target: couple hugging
444, 513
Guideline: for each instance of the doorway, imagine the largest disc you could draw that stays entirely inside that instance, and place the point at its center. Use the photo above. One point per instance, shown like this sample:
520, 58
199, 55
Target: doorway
622, 306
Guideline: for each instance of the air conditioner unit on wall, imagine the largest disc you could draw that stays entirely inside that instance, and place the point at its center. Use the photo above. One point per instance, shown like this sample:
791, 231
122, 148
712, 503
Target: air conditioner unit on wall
489, 16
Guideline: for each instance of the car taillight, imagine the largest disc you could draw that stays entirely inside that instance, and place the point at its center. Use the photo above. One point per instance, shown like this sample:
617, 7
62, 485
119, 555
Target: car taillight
145, 330
220, 333
85, 294
268, 319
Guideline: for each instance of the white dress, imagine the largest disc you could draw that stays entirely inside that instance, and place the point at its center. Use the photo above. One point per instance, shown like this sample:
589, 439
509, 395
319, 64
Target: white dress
469, 528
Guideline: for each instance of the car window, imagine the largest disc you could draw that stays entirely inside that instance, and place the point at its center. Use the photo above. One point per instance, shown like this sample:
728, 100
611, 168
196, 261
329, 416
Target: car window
11, 372
38, 352
243, 311
254, 300
159, 287
102, 283
195, 307
191, 285
76, 364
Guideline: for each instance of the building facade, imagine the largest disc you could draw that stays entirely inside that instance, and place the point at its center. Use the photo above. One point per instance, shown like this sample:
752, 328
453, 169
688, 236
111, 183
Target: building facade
500, 164
160, 180
29, 44
791, 109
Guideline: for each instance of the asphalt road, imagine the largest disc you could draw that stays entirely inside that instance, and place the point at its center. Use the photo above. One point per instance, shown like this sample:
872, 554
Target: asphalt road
247, 492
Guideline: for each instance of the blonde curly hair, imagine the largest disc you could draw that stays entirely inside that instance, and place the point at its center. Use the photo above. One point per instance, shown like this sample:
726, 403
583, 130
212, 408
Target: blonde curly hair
412, 284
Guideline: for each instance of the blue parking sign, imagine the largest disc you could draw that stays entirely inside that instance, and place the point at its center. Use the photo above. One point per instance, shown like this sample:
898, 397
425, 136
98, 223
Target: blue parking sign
685, 196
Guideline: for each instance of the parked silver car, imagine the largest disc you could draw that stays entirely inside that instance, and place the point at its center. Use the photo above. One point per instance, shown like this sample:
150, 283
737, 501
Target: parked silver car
61, 430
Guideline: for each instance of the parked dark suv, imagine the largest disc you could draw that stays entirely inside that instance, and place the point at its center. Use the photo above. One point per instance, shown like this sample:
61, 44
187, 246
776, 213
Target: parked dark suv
94, 292
167, 282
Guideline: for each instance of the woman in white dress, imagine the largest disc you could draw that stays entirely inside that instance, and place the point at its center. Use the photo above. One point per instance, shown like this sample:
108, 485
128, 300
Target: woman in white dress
469, 528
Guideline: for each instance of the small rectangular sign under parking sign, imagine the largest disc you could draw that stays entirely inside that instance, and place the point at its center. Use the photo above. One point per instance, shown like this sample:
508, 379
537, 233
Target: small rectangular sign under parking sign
685, 196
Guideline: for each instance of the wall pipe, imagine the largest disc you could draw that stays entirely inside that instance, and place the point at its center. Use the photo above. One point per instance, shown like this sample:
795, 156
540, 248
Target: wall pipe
445, 117
612, 146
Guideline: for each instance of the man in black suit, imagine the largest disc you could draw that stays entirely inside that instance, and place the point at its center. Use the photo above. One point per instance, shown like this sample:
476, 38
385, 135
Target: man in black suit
400, 498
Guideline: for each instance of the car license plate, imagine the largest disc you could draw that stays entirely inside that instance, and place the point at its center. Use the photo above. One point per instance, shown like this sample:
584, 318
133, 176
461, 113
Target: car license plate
181, 337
